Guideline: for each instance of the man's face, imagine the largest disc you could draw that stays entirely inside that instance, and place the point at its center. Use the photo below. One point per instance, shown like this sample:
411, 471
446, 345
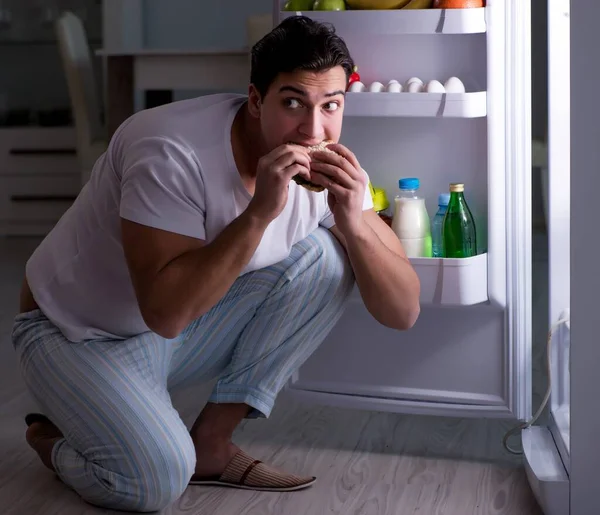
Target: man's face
302, 107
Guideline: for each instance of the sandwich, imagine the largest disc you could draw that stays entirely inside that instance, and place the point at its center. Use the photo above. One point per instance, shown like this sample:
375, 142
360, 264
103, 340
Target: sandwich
298, 179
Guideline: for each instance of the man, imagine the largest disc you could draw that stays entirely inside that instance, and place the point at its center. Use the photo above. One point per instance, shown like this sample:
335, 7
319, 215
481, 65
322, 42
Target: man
191, 254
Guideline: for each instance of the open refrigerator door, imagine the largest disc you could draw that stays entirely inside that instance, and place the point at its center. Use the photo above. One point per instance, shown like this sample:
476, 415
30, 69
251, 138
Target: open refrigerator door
470, 352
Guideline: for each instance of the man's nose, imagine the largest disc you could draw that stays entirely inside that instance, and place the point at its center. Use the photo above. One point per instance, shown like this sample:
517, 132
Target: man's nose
312, 126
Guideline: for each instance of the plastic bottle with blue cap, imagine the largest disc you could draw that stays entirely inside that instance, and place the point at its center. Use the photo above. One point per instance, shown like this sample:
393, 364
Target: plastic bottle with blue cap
411, 221
437, 225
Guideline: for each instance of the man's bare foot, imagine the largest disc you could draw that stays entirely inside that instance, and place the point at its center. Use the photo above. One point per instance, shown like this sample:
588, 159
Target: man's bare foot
41, 437
212, 458
212, 434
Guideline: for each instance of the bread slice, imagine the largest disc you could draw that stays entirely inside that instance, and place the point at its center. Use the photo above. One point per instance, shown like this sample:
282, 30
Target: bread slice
298, 179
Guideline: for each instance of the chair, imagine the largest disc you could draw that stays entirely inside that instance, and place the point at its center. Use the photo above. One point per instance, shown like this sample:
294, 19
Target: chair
85, 101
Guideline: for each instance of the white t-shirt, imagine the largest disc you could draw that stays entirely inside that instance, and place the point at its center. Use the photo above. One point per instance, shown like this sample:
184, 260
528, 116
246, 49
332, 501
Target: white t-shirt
172, 168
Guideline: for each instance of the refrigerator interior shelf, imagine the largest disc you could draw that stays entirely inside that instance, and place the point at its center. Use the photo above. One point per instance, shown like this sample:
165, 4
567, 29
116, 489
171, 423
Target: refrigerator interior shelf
402, 21
427, 105
448, 282
452, 282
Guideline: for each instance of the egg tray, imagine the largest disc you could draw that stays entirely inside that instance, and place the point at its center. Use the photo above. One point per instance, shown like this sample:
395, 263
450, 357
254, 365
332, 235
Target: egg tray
412, 85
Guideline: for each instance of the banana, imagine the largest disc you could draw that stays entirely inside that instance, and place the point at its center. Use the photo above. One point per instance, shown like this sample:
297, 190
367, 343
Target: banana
377, 4
419, 4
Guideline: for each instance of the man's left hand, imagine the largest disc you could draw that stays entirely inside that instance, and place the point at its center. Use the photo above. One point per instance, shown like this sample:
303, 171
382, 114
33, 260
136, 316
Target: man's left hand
342, 176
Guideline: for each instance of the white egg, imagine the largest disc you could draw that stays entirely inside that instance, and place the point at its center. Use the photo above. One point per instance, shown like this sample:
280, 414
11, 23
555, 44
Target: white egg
454, 85
393, 81
394, 87
411, 80
415, 87
357, 87
376, 87
435, 86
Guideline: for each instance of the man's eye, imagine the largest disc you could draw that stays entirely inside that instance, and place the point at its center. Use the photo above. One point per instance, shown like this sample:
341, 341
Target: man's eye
292, 103
331, 106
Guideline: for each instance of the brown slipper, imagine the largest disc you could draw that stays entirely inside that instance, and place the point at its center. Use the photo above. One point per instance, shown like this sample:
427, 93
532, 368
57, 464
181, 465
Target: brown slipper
247, 473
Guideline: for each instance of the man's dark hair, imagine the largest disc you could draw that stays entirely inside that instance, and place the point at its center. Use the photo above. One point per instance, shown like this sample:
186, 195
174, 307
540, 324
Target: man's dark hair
297, 43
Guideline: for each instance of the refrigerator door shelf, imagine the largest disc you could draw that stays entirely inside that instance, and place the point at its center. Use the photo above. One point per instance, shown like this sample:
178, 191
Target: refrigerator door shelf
427, 105
450, 282
402, 21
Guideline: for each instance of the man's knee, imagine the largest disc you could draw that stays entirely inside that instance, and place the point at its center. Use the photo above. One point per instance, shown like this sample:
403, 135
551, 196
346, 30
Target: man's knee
332, 265
149, 483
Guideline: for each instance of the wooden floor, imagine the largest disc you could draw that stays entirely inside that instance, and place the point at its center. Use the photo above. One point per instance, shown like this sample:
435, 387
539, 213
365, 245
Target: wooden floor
366, 463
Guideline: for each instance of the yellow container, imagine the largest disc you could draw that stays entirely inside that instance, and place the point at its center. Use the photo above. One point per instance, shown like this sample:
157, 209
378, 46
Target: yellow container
380, 200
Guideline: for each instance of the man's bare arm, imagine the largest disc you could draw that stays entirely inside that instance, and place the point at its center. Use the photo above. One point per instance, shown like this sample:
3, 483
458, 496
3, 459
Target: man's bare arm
387, 281
178, 278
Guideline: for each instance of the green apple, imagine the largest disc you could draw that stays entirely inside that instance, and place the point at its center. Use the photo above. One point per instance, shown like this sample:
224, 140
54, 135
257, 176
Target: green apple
298, 5
329, 5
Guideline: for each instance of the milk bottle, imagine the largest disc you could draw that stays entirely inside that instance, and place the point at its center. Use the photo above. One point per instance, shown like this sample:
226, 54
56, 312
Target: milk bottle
411, 220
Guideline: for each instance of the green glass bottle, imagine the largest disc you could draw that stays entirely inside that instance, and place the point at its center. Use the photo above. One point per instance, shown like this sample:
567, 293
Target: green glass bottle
459, 235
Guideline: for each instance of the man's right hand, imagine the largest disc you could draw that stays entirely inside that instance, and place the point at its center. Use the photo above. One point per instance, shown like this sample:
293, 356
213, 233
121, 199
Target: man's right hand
274, 173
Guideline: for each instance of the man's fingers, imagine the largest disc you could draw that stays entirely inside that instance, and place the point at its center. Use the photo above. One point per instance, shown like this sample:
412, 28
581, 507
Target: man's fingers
337, 160
295, 169
289, 158
333, 173
345, 153
283, 150
333, 187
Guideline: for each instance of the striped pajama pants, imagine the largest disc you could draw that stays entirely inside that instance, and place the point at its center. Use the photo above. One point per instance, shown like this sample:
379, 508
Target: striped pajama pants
125, 446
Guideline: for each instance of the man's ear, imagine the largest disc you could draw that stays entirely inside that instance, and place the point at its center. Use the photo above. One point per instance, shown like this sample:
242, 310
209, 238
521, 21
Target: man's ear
254, 101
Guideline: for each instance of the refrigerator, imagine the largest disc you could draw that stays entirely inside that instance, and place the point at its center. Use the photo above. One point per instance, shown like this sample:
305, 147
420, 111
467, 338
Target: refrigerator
469, 354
